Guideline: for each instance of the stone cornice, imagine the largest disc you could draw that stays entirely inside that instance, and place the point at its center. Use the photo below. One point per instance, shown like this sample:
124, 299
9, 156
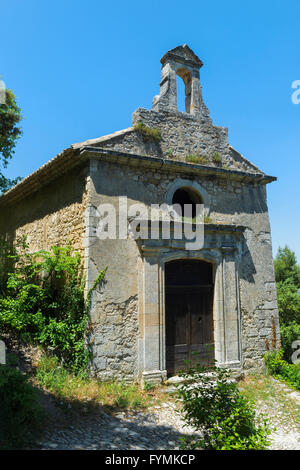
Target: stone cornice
71, 157
168, 165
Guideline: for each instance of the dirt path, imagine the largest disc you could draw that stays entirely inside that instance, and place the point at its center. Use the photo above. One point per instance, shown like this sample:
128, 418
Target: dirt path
160, 427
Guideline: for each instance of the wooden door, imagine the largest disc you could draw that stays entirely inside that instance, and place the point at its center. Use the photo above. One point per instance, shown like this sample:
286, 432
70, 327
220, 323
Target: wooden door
189, 327
200, 311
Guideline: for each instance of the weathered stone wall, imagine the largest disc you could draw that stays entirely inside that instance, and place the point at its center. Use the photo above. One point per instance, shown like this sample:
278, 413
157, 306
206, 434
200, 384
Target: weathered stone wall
114, 339
66, 211
231, 202
114, 312
182, 135
51, 216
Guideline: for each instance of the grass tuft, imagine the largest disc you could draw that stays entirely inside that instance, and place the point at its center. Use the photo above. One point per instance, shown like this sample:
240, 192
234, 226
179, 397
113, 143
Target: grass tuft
84, 392
149, 133
197, 158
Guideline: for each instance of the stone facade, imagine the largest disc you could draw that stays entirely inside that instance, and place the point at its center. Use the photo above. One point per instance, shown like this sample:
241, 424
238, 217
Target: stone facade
53, 215
128, 316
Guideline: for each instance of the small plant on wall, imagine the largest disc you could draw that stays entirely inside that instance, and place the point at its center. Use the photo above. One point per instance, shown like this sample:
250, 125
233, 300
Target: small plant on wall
148, 133
216, 158
197, 158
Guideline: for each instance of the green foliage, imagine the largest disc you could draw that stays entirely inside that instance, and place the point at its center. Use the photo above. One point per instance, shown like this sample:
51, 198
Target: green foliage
287, 274
10, 132
6, 264
202, 159
80, 389
281, 369
50, 374
289, 333
286, 267
214, 406
288, 302
216, 157
44, 303
197, 158
148, 386
20, 411
149, 133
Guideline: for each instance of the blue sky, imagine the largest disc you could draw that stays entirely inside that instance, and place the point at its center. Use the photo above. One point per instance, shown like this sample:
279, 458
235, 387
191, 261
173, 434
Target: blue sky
80, 69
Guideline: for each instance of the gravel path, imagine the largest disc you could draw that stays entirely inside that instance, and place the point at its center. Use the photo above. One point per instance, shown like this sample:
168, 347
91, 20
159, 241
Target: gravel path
160, 428
287, 433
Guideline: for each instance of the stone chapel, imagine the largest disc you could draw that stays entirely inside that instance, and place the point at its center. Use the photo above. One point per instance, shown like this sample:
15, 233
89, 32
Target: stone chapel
161, 302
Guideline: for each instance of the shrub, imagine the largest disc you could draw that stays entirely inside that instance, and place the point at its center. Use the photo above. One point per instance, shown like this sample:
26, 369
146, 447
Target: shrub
45, 303
149, 133
281, 369
289, 333
6, 264
214, 406
20, 411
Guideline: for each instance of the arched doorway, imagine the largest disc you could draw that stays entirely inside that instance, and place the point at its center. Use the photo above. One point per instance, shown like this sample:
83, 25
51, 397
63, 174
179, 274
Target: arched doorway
189, 314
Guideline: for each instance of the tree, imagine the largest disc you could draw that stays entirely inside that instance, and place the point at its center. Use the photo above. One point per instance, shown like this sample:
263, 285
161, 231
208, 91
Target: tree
10, 132
288, 302
287, 274
286, 267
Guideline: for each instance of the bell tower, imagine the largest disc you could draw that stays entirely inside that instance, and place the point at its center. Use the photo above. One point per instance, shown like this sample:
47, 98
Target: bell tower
181, 62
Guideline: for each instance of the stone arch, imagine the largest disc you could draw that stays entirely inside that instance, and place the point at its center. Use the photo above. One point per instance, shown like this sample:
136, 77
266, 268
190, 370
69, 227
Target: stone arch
186, 77
189, 185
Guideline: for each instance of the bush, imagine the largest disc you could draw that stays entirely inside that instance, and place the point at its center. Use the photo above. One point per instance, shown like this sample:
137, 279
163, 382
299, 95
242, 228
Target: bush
214, 406
20, 411
6, 264
289, 333
288, 302
281, 369
44, 303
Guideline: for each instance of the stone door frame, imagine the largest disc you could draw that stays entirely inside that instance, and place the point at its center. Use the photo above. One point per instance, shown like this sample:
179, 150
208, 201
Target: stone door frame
226, 306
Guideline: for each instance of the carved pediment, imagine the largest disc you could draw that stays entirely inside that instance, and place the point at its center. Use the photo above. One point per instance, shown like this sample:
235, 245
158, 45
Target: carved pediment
182, 54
